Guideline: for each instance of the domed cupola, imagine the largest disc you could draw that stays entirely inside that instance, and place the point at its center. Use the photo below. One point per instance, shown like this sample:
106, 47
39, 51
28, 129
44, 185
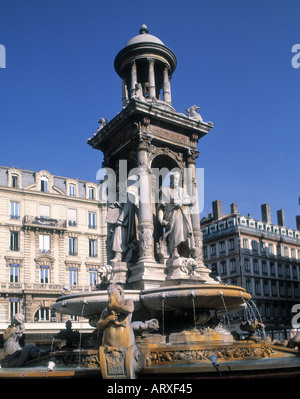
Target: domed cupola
145, 66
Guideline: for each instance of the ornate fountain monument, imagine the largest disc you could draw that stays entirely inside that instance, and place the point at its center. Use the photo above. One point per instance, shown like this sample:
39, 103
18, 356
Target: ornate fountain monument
157, 305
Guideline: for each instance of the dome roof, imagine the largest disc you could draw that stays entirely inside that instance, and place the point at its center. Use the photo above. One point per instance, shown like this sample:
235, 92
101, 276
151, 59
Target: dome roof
144, 37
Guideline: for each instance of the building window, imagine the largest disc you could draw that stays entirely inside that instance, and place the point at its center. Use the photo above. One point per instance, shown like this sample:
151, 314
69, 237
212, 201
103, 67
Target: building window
255, 266
264, 267
232, 266
254, 245
296, 291
44, 314
91, 193
44, 211
73, 276
223, 268
92, 220
213, 250
14, 307
247, 265
248, 286
286, 251
257, 287
72, 246
14, 241
44, 243
280, 271
287, 271
274, 289
266, 288
15, 181
231, 244
294, 271
72, 217
272, 266
278, 250
281, 289
293, 253
14, 210
44, 274
205, 252
245, 243
44, 184
222, 246
14, 273
92, 248
72, 190
93, 277
271, 250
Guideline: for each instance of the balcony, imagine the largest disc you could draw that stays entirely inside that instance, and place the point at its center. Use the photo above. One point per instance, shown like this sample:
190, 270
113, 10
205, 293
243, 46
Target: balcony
38, 222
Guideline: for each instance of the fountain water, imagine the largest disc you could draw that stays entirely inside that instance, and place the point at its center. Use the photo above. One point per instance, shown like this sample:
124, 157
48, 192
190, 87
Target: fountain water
192, 292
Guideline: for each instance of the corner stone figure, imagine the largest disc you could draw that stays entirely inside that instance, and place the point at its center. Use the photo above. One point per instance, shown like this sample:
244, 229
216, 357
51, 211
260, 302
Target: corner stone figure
119, 355
173, 215
14, 355
119, 218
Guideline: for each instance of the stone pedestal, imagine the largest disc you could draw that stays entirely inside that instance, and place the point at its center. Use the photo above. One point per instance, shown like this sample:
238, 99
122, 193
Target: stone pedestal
119, 272
146, 274
186, 271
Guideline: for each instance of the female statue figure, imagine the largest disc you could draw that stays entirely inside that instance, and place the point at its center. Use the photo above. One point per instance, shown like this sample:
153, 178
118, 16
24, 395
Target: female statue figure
172, 213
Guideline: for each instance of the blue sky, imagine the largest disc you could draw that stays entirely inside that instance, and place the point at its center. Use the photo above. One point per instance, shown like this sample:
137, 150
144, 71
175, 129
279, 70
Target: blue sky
234, 61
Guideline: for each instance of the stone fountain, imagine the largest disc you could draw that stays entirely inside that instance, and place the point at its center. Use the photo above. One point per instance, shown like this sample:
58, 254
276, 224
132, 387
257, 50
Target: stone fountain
157, 306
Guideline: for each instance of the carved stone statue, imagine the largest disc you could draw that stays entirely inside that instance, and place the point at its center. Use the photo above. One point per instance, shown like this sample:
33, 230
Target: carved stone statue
138, 92
122, 228
72, 337
192, 113
252, 327
173, 215
148, 326
103, 122
119, 355
14, 355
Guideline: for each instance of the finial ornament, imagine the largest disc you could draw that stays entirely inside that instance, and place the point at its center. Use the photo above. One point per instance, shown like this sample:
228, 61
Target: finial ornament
144, 29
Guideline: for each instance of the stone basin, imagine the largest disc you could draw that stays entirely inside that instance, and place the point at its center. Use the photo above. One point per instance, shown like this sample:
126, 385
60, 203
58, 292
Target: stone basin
220, 298
90, 303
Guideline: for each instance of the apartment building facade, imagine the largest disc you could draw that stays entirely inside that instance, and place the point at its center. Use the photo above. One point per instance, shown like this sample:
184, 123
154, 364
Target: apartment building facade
262, 257
52, 239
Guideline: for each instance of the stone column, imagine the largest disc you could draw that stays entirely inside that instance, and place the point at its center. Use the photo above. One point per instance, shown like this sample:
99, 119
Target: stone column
152, 91
191, 182
124, 94
133, 77
167, 87
146, 273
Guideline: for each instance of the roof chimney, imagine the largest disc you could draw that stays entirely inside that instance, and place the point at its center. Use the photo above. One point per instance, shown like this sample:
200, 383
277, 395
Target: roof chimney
266, 213
217, 209
298, 222
234, 208
280, 218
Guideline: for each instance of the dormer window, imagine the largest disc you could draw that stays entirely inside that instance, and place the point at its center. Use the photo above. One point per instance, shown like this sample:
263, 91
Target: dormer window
72, 190
44, 184
15, 181
91, 193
